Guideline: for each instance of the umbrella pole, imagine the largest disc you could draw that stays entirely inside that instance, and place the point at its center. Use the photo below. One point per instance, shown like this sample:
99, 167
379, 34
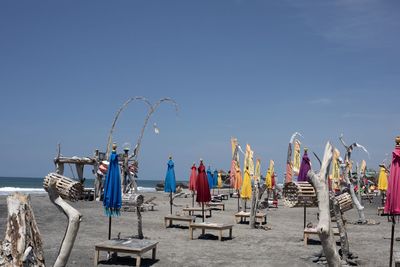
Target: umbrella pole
193, 199
170, 201
391, 242
305, 216
202, 210
109, 228
245, 205
238, 200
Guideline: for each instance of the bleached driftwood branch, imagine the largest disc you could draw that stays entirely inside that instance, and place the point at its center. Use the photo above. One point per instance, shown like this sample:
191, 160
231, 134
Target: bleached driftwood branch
319, 181
258, 191
359, 207
22, 244
74, 219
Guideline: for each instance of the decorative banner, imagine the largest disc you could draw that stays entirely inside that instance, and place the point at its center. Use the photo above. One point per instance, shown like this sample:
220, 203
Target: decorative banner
246, 157
335, 175
296, 157
289, 167
363, 168
251, 164
257, 173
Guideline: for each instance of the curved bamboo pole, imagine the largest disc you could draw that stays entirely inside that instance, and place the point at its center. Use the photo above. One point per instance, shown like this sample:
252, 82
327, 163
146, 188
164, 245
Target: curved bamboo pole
117, 115
153, 108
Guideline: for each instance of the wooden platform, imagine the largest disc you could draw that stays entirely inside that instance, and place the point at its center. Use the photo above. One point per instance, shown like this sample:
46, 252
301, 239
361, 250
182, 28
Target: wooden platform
126, 245
218, 205
211, 226
242, 216
192, 210
170, 218
314, 231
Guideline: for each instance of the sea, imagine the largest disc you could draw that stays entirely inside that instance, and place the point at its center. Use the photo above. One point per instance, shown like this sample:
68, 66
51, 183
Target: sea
34, 185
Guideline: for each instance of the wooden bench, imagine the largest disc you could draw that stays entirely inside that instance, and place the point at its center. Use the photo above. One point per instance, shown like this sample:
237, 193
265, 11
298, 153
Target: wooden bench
221, 196
126, 245
170, 218
218, 205
314, 231
211, 226
192, 210
242, 216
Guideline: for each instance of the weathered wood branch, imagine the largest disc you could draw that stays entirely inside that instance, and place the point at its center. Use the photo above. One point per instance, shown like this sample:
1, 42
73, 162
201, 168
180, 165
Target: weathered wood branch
325, 233
22, 245
255, 202
74, 219
344, 241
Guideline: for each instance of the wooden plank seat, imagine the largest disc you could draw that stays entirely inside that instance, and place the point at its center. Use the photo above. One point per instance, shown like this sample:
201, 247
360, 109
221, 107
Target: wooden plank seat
218, 205
170, 218
210, 226
242, 216
126, 245
314, 231
221, 196
192, 210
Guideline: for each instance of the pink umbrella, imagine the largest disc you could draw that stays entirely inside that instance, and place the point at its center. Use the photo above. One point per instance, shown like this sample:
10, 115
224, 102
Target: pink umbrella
392, 205
192, 182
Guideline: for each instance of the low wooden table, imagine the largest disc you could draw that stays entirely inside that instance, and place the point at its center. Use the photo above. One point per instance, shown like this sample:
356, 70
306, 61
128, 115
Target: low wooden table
211, 226
241, 217
194, 209
218, 205
170, 218
126, 245
314, 231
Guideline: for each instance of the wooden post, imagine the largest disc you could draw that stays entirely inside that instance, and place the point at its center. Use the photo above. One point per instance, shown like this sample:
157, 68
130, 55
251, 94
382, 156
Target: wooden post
22, 244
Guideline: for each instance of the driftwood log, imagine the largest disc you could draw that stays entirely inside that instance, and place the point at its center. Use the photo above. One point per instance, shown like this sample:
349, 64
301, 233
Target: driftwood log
255, 202
320, 183
136, 200
74, 219
22, 245
347, 171
66, 187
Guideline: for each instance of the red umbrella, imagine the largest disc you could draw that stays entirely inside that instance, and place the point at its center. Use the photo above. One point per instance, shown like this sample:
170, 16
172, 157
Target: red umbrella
202, 188
192, 182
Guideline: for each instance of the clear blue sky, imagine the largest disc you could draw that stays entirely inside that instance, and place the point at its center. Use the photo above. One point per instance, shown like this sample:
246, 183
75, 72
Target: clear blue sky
256, 70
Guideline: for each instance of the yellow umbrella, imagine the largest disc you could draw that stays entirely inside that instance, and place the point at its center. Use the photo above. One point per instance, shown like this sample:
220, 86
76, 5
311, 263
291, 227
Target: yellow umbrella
219, 180
382, 179
268, 177
257, 173
245, 193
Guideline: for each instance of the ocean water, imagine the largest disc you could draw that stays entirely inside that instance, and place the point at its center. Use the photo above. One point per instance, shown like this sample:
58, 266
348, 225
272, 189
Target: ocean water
33, 185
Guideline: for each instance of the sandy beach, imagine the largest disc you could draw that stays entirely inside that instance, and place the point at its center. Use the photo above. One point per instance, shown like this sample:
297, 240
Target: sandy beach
280, 246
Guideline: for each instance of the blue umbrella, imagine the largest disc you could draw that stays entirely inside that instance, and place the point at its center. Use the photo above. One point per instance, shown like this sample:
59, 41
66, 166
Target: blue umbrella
112, 189
170, 183
210, 178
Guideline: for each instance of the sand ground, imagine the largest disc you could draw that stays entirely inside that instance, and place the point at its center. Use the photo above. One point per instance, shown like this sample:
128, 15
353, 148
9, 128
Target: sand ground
280, 246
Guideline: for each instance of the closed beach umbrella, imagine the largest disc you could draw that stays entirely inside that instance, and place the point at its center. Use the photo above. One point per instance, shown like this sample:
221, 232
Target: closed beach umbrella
210, 178
192, 181
392, 205
382, 179
202, 187
219, 181
215, 178
238, 182
112, 189
245, 193
268, 176
304, 167
170, 182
